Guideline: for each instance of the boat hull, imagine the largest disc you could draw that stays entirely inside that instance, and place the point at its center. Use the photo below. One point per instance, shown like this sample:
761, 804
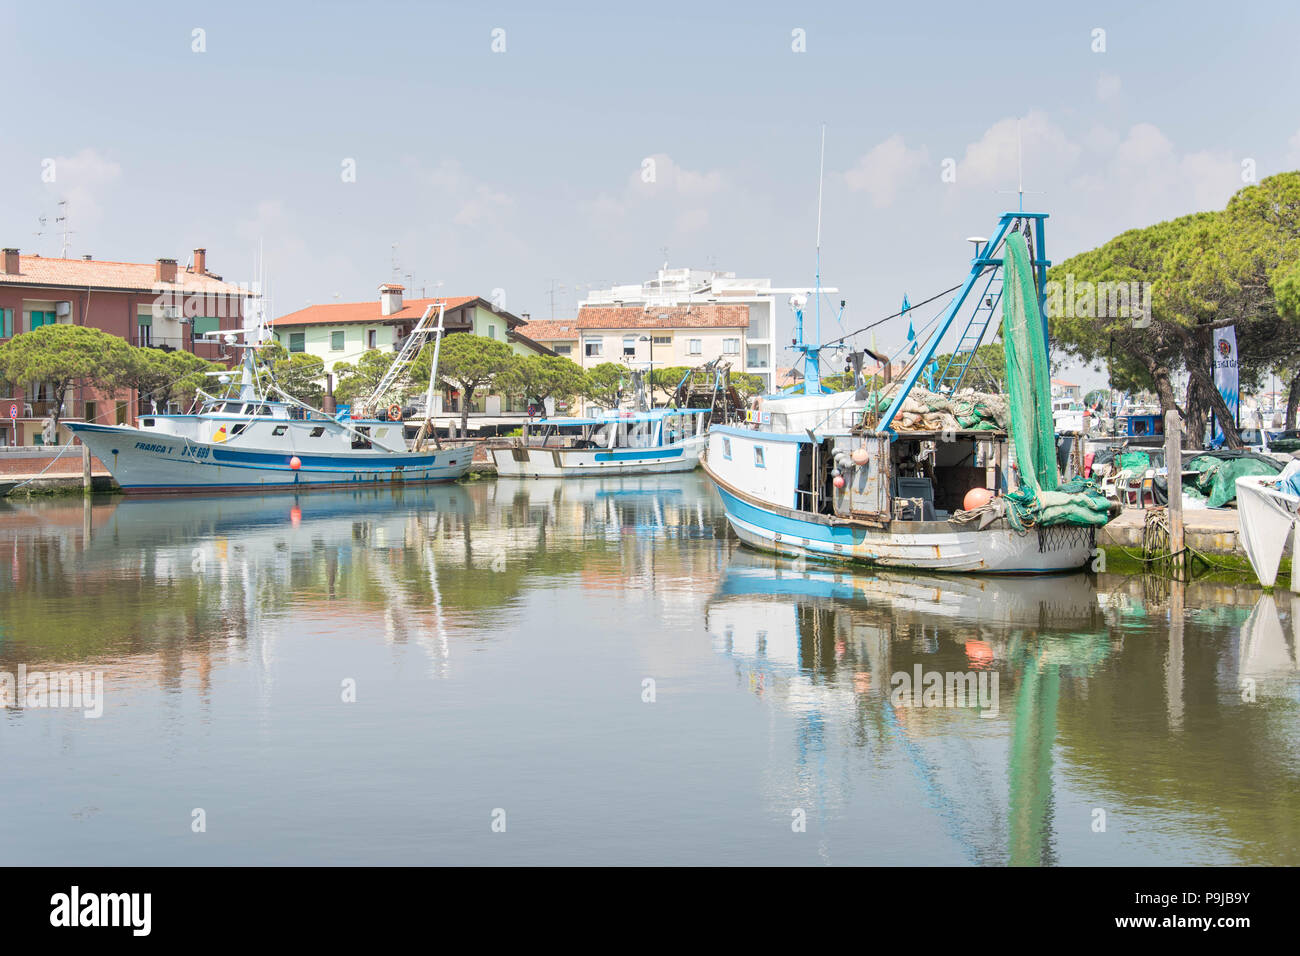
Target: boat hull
930, 545
535, 462
1266, 518
146, 463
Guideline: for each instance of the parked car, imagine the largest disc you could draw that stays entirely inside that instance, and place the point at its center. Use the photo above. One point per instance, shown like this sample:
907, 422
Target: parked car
1287, 441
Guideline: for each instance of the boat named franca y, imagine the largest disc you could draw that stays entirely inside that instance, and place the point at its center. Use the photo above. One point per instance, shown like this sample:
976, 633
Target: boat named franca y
923, 479
260, 437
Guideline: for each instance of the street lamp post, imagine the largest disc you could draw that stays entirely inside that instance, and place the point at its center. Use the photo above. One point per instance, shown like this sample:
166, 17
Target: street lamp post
651, 370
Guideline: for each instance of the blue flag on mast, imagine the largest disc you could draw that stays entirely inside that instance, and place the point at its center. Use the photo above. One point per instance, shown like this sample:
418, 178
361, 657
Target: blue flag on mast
911, 333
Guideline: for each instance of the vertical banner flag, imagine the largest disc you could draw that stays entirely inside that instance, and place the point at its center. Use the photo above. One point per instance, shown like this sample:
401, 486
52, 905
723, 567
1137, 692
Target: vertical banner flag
1225, 373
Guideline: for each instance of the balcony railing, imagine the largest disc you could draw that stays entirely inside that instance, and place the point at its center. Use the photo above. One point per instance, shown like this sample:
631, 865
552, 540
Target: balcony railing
168, 343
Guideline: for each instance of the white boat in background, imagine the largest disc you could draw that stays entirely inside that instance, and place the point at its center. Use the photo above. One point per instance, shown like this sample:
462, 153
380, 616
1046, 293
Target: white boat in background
658, 441
262, 438
1269, 513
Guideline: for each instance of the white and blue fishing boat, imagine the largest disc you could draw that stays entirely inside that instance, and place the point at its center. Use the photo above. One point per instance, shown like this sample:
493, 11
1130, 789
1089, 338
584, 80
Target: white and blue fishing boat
260, 438
856, 477
654, 441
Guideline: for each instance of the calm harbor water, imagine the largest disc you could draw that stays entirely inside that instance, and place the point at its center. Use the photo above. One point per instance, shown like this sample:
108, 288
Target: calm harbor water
598, 665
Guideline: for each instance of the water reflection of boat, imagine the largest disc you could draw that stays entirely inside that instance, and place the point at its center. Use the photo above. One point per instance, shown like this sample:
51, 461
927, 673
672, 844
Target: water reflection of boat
1265, 649
827, 647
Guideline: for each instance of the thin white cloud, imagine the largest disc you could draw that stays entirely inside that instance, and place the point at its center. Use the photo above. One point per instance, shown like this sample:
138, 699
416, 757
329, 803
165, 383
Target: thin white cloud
660, 186
1108, 86
992, 160
477, 202
81, 180
885, 169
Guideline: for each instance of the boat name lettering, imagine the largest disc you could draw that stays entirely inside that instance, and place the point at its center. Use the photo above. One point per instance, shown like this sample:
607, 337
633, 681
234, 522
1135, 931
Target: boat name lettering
152, 446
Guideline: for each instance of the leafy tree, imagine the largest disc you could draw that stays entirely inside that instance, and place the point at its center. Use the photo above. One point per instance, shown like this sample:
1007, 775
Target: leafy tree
163, 376
65, 357
1287, 285
747, 385
987, 371
1206, 272
539, 377
301, 375
354, 381
605, 384
466, 363
665, 380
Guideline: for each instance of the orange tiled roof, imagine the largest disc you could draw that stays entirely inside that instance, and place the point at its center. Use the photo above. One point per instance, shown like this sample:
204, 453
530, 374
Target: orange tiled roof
551, 330
636, 317
341, 313
102, 274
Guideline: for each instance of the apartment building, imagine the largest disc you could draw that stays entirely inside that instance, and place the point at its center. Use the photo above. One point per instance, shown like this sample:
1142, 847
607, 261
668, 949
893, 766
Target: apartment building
672, 290
156, 304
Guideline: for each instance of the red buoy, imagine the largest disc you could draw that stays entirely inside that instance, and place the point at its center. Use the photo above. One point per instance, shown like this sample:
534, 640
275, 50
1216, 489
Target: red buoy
295, 463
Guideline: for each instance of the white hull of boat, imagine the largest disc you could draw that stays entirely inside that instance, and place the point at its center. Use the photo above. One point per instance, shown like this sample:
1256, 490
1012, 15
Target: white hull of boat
932, 546
536, 462
158, 463
1267, 517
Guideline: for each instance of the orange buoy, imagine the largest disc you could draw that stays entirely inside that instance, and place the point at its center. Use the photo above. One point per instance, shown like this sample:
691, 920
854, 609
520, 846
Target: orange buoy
979, 652
976, 498
295, 463
860, 455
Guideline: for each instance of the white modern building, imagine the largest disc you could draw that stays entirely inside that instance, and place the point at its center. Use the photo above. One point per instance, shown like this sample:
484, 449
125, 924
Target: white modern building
681, 289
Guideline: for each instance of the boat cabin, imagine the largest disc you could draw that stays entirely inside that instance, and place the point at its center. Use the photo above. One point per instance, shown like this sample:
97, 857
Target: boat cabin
654, 429
909, 476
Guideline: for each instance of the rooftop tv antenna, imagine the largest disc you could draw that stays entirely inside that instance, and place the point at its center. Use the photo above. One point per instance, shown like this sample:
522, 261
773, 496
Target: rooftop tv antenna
67, 232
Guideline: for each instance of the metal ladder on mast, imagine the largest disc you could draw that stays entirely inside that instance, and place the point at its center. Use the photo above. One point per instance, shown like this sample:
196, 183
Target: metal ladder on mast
959, 361
397, 378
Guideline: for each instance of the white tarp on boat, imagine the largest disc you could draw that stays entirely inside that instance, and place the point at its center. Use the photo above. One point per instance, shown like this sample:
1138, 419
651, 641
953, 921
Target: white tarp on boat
1267, 516
834, 412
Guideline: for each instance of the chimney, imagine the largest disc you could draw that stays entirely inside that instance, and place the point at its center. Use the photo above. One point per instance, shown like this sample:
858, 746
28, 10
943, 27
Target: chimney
11, 262
200, 262
390, 298
165, 271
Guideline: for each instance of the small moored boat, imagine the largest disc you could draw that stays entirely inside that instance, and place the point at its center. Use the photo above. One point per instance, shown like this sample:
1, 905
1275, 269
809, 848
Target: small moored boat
657, 441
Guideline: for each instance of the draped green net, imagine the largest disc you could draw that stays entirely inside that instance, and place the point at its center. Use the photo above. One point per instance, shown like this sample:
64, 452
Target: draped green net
1041, 499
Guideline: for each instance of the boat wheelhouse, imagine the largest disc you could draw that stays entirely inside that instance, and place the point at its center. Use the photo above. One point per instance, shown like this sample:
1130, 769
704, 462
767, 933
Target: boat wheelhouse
625, 443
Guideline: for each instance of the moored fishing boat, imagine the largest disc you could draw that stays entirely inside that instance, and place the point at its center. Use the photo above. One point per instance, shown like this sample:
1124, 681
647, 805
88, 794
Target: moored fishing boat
261, 438
899, 478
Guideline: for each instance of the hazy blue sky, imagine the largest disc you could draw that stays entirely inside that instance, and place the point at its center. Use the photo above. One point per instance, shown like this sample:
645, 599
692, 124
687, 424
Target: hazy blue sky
515, 169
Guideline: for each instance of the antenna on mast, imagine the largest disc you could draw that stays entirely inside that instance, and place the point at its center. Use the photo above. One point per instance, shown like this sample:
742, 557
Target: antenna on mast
1020, 168
821, 176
